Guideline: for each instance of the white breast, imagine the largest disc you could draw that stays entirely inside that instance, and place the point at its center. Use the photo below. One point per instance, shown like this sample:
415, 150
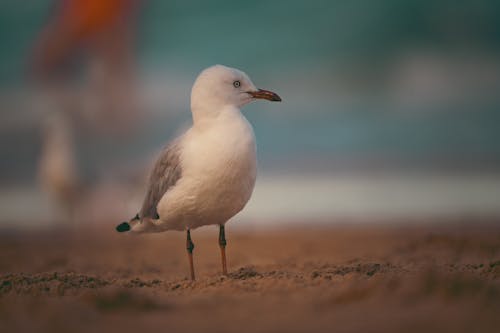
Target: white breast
218, 173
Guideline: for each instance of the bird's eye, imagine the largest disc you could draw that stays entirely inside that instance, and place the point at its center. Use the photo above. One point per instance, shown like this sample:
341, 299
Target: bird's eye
236, 84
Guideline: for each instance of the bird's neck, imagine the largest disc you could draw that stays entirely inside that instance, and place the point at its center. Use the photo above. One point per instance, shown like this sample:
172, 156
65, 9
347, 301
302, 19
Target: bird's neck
203, 118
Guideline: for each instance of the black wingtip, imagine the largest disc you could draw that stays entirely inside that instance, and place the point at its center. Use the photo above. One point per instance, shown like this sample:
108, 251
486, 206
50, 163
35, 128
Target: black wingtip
122, 227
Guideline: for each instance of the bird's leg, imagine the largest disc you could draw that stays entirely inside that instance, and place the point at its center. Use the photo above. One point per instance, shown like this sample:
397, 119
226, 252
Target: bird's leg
190, 248
222, 245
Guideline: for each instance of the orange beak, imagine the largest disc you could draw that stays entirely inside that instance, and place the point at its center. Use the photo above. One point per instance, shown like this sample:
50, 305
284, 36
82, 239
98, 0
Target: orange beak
265, 94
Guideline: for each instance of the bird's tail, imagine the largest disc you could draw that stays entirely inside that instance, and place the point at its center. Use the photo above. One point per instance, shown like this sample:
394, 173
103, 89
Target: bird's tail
127, 226
138, 225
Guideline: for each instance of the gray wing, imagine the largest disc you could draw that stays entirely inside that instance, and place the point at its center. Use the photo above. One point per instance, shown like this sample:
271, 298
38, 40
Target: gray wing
166, 172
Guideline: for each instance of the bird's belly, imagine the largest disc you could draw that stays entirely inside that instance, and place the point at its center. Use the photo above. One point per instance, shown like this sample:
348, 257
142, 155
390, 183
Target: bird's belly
228, 188
217, 182
221, 189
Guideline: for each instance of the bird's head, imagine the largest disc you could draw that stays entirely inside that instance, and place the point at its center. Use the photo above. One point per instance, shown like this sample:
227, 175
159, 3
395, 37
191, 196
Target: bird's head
220, 86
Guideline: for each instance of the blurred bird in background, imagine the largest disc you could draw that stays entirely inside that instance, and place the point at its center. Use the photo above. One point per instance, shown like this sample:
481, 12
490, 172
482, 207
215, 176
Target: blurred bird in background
57, 169
83, 62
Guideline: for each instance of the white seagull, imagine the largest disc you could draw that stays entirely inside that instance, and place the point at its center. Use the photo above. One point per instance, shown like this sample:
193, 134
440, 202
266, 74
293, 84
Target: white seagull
207, 175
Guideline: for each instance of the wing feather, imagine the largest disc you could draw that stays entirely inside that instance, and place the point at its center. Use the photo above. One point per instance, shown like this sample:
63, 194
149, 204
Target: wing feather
165, 174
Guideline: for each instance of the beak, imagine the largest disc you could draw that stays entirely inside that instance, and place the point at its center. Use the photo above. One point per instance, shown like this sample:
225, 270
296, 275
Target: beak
265, 94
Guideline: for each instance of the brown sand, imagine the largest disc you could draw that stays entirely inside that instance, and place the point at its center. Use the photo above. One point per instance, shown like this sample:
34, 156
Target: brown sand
362, 278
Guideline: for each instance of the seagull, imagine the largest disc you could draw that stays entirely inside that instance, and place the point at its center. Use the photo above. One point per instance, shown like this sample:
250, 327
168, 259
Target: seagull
207, 175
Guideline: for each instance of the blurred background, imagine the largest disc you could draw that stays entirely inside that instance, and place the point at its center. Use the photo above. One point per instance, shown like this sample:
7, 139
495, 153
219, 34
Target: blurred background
390, 108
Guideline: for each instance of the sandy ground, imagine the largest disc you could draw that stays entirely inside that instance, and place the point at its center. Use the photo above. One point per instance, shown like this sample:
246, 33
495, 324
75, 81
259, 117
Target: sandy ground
370, 278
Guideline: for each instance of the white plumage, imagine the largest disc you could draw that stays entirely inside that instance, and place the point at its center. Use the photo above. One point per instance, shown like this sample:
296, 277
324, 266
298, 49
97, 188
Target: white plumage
218, 163
207, 175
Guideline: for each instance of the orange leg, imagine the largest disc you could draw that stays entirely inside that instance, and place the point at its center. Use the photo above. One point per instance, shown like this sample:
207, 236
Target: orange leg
190, 248
222, 245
